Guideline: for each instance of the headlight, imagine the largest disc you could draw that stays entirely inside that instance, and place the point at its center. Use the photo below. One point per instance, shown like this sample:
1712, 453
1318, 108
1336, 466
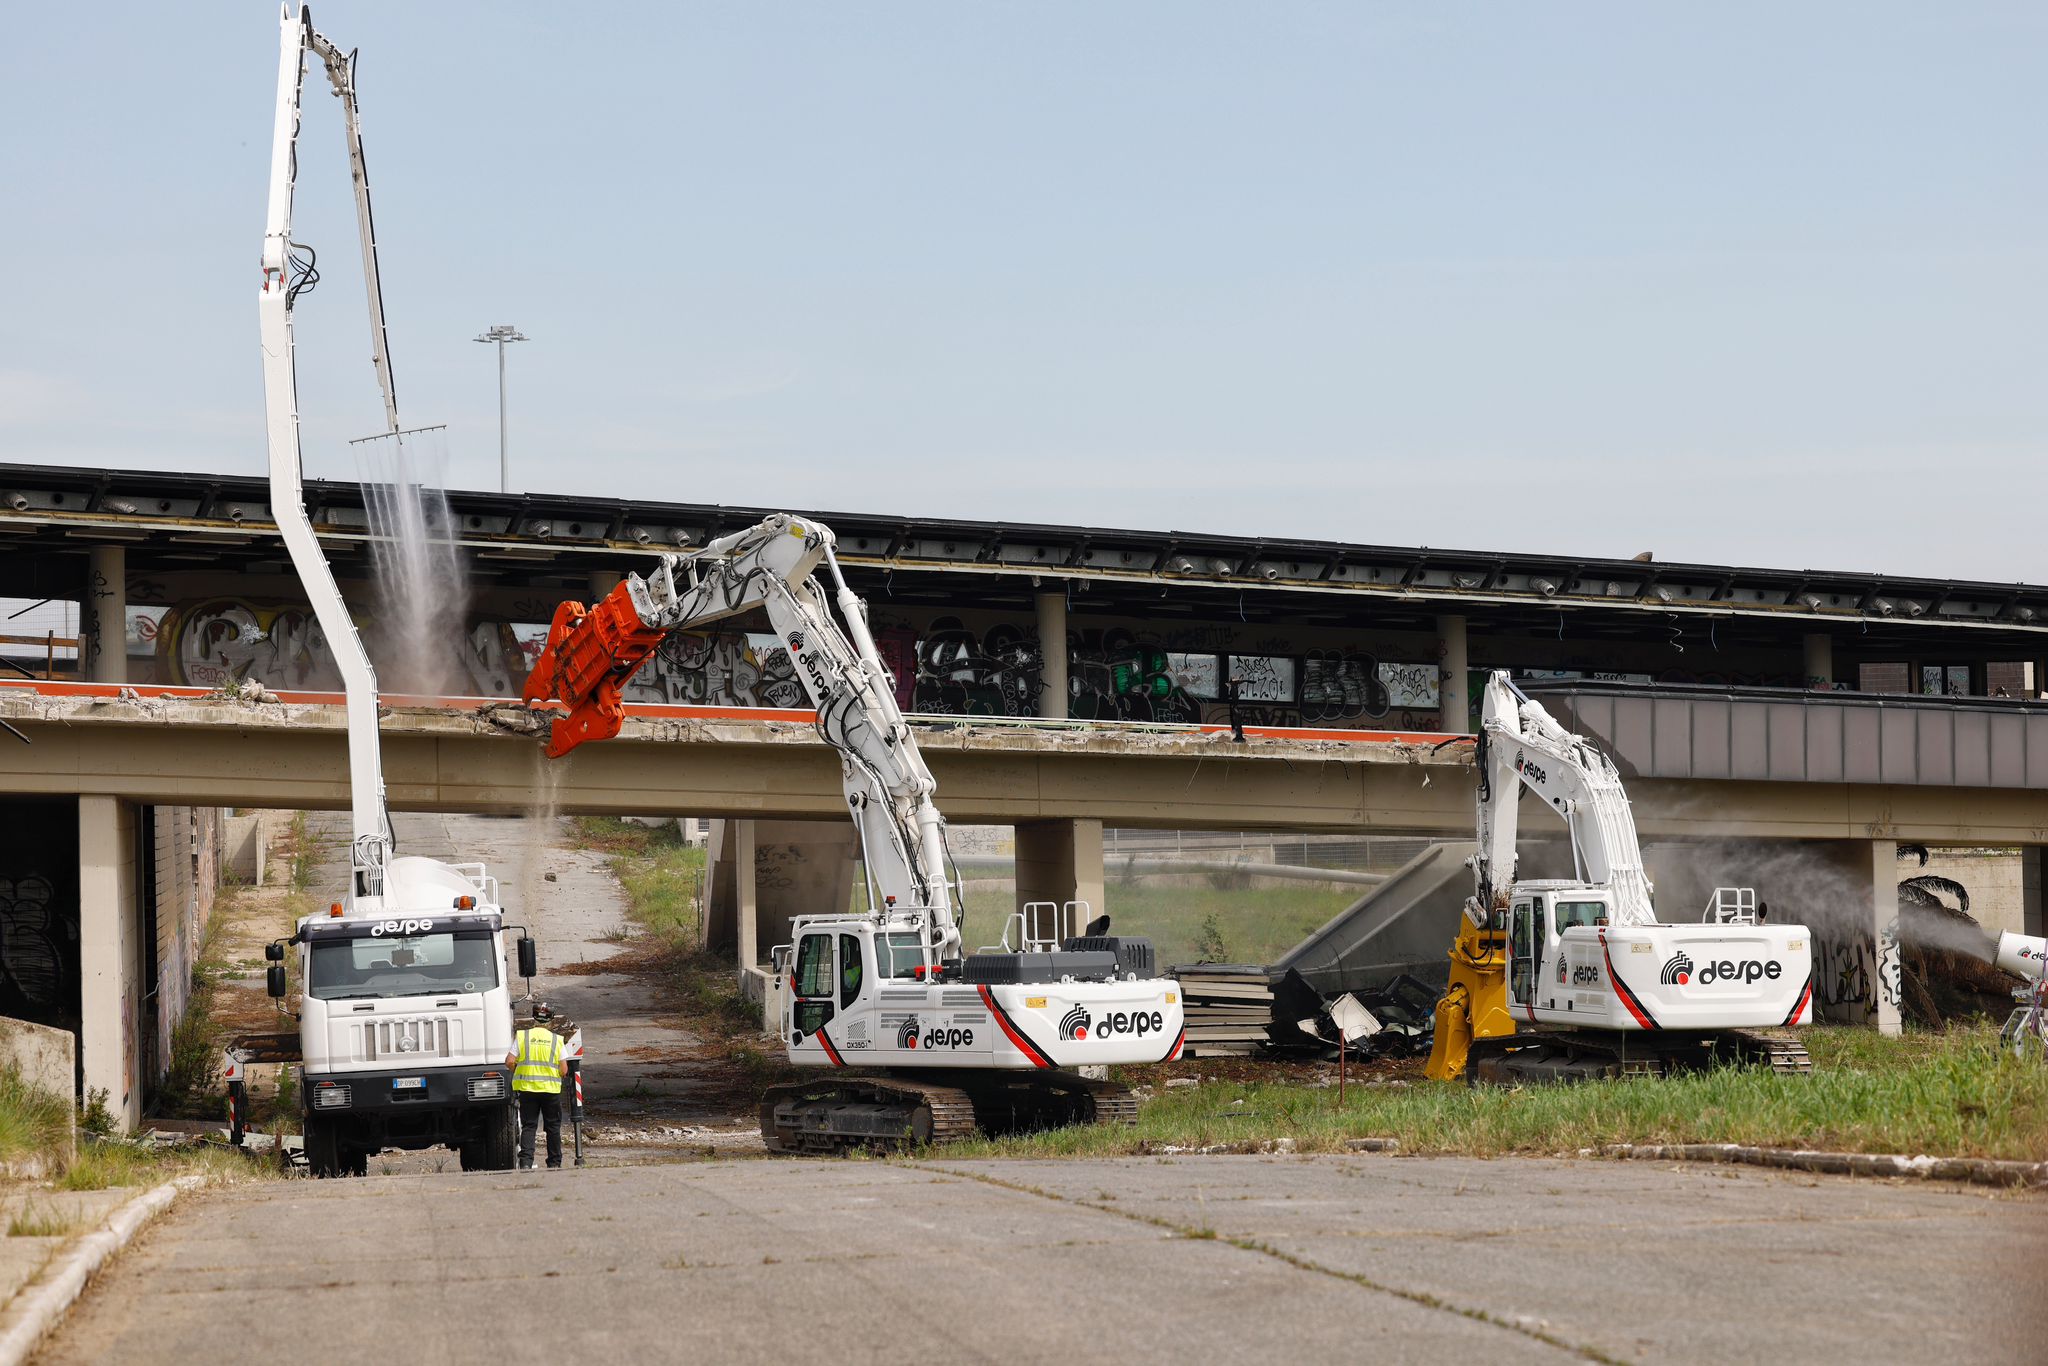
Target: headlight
328, 1096
486, 1088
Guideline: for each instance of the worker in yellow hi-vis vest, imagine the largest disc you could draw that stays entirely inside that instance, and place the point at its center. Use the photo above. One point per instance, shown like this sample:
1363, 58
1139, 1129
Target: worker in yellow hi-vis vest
538, 1065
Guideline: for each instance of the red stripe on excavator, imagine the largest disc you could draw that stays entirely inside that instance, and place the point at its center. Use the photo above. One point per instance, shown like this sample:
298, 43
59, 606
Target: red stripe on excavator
1016, 1035
1179, 1042
830, 1051
1804, 996
1628, 998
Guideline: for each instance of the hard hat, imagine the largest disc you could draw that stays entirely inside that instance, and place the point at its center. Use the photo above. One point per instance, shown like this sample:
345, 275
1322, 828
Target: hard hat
543, 1011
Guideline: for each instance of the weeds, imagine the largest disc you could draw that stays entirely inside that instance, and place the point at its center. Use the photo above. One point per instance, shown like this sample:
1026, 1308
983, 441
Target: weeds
35, 1220
31, 1121
1944, 1095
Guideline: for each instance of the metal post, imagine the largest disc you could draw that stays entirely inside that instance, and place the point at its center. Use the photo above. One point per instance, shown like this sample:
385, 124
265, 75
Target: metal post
502, 333
576, 1106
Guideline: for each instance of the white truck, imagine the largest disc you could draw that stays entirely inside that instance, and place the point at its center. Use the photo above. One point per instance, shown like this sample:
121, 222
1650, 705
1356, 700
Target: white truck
1575, 978
917, 1040
406, 1015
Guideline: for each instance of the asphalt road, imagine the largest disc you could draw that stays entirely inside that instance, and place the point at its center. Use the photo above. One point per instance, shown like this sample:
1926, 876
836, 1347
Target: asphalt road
1133, 1260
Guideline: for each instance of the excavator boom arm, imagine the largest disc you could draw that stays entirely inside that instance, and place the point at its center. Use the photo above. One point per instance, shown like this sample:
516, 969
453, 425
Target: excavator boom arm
593, 652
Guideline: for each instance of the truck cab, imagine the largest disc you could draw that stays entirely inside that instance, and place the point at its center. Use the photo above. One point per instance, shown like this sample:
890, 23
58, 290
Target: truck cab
405, 1020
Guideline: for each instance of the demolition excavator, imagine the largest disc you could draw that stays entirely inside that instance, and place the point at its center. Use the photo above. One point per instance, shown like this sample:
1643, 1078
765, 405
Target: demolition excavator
1577, 978
918, 1040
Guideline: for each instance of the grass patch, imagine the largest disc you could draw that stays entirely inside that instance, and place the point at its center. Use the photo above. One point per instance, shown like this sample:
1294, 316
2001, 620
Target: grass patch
106, 1163
34, 1220
31, 1121
1943, 1095
1186, 924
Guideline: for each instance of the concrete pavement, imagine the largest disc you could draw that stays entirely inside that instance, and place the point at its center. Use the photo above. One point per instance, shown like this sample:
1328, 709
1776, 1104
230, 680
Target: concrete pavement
1138, 1259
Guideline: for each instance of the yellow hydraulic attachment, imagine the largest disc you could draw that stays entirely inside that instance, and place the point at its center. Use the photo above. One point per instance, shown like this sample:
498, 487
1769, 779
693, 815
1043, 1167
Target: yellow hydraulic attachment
1476, 1006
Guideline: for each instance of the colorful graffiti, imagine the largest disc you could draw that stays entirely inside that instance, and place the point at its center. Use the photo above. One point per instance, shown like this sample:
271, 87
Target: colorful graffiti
948, 668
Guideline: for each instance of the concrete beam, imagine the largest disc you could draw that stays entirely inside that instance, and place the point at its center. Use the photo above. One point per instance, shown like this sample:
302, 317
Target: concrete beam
237, 754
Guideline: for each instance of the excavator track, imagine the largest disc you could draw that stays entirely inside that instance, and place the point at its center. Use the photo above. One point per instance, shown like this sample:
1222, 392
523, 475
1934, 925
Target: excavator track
894, 1113
843, 1114
1778, 1049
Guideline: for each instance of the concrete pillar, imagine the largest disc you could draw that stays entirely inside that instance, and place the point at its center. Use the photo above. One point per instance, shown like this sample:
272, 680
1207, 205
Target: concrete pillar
772, 871
103, 617
1052, 650
1820, 661
1060, 861
603, 581
746, 897
109, 956
2032, 858
1454, 703
1884, 920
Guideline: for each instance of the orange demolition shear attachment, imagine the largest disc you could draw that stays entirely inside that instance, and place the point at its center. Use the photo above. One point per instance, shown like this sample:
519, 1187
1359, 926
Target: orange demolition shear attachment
590, 656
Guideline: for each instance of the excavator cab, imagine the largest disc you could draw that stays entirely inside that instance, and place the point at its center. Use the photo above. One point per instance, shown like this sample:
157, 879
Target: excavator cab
1546, 959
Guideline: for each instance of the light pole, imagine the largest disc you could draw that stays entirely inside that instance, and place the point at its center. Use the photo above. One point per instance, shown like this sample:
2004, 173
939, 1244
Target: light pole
502, 333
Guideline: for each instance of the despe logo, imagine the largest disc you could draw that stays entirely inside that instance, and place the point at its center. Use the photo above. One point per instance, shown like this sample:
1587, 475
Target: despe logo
1074, 1024
1678, 971
906, 1037
1138, 1022
400, 927
1535, 772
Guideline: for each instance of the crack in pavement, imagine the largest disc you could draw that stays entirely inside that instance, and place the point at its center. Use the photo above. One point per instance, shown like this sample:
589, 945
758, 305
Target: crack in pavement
1293, 1259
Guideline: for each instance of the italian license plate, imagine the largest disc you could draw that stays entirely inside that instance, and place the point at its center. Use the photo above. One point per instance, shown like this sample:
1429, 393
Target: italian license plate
408, 1083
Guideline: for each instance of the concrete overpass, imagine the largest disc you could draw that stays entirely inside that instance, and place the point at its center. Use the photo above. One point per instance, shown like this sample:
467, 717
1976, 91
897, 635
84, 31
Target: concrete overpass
112, 752
184, 746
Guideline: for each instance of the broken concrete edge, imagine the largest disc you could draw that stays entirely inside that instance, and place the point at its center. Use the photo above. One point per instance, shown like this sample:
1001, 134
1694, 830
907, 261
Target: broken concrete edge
1982, 1171
508, 720
42, 1304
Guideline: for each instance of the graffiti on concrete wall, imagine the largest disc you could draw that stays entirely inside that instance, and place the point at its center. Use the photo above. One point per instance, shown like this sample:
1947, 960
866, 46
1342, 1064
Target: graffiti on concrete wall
1889, 988
1845, 974
962, 672
719, 669
34, 948
947, 668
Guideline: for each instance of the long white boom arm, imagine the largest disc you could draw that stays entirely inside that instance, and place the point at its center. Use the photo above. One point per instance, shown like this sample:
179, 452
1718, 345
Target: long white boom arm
591, 652
1521, 745
285, 277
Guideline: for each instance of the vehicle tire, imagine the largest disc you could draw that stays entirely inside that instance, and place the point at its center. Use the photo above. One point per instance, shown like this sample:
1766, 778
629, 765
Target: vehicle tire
499, 1146
323, 1146
357, 1161
470, 1155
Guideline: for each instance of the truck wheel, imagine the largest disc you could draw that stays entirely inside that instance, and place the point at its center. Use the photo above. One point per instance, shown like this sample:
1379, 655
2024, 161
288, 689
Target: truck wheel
323, 1146
470, 1155
499, 1146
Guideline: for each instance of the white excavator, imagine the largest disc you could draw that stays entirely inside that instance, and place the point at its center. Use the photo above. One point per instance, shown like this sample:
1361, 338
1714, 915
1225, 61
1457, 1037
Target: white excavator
405, 1013
1578, 978
918, 1039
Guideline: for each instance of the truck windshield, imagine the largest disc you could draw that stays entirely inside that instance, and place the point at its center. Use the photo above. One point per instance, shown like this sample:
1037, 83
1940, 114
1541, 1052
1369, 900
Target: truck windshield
424, 965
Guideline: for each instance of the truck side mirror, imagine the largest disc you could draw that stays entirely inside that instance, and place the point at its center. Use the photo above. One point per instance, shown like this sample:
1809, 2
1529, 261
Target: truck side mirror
529, 957
274, 952
273, 981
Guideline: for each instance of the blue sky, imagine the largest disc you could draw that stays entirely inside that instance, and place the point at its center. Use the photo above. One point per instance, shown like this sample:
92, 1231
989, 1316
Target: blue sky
1755, 283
